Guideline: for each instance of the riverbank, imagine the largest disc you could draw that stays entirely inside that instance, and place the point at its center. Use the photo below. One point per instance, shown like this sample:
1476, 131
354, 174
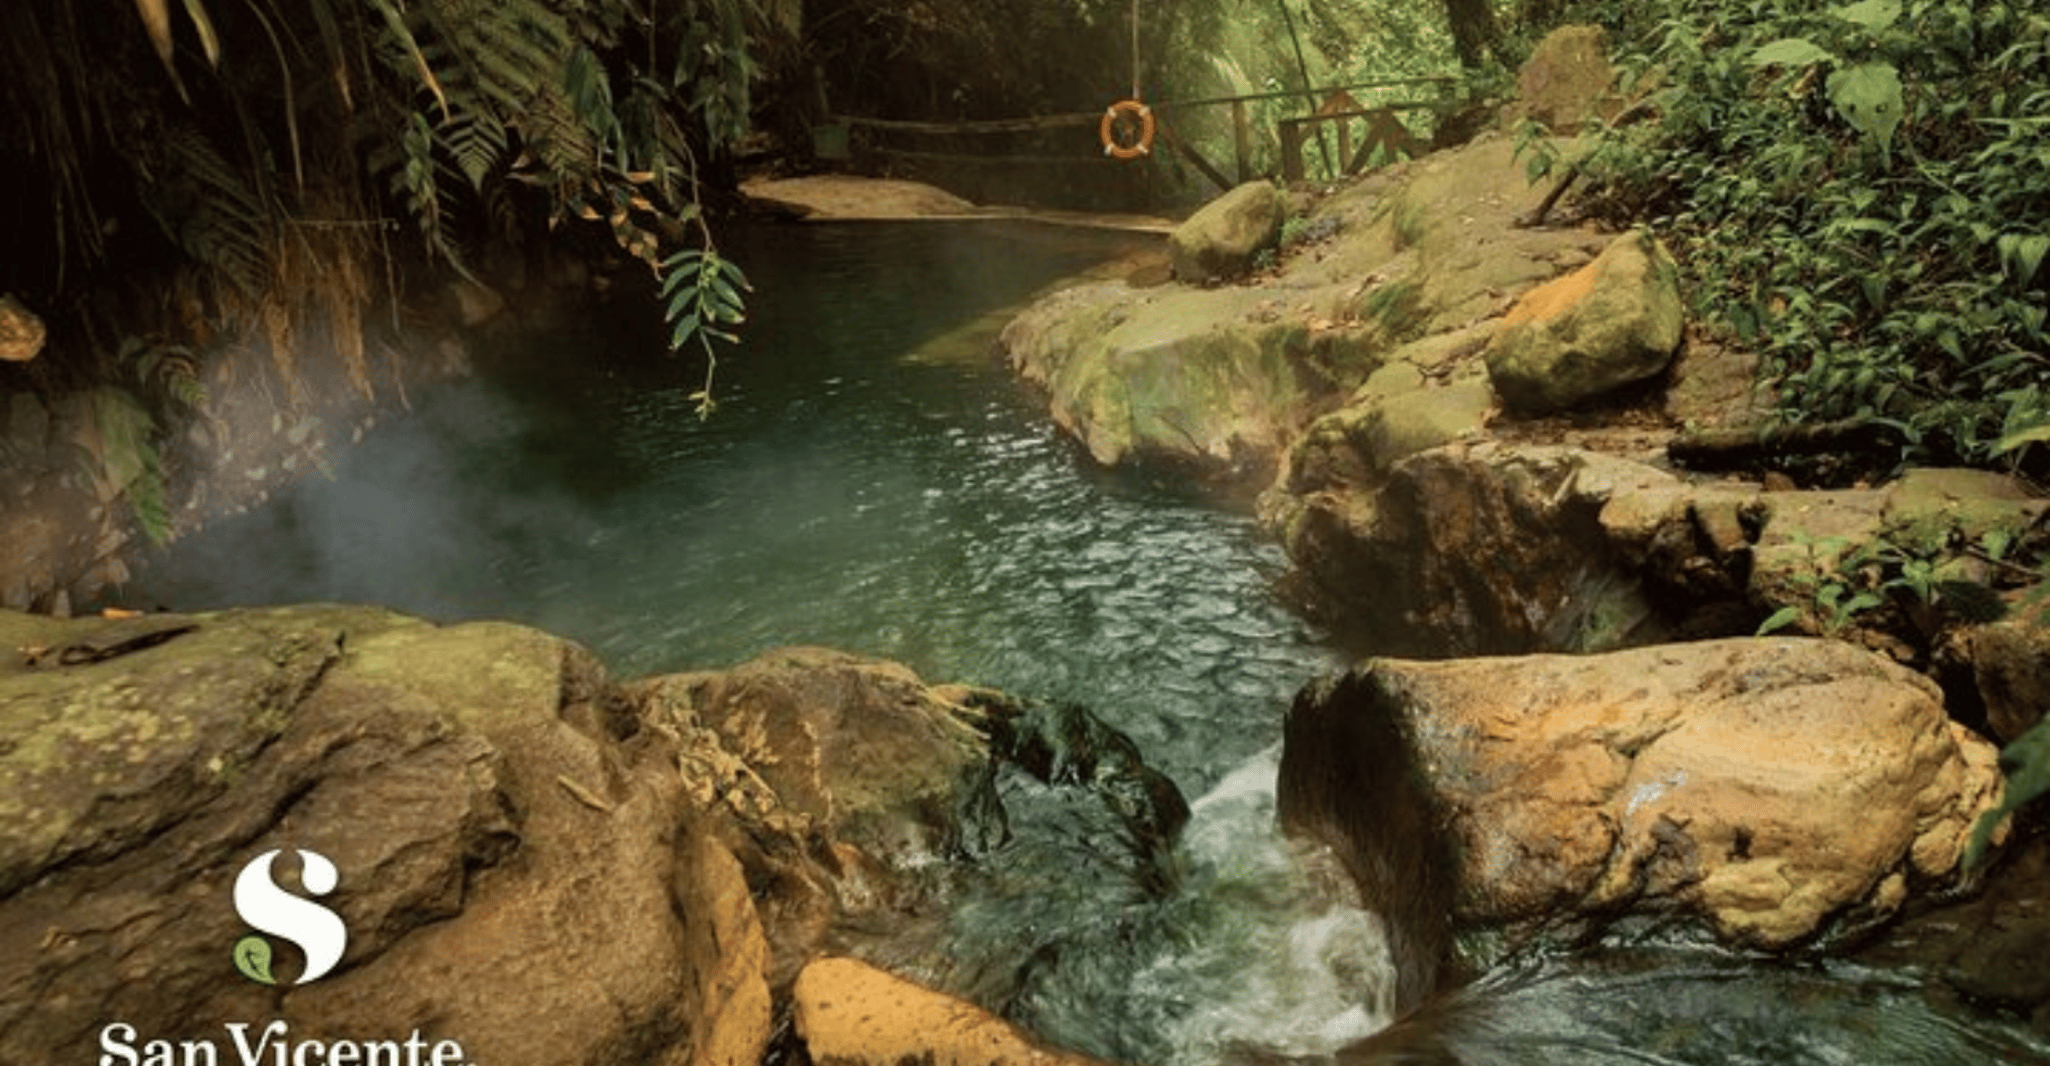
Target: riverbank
1479, 433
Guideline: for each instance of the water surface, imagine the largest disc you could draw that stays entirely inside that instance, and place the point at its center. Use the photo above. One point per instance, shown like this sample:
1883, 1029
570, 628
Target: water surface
874, 481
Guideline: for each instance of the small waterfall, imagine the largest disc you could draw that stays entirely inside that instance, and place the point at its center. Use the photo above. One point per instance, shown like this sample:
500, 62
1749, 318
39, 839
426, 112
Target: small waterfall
1260, 950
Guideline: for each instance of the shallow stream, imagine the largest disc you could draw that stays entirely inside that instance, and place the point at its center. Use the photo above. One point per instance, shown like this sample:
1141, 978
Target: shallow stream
874, 481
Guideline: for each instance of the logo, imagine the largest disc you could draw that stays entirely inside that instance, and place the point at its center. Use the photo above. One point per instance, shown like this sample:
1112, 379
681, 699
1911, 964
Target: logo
268, 908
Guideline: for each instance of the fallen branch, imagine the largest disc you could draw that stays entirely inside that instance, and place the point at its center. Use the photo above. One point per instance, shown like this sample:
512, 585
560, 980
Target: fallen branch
1725, 449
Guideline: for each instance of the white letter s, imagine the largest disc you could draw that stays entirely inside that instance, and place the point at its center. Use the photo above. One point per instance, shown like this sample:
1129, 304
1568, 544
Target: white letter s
267, 908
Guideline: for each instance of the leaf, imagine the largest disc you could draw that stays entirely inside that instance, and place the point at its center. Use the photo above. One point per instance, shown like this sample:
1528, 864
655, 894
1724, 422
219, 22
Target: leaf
1790, 52
1868, 96
156, 19
1779, 619
2022, 253
253, 958
2032, 435
209, 42
1872, 14
397, 24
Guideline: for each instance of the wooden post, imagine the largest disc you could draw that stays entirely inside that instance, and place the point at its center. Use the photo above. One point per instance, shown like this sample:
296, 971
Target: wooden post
1291, 150
1241, 136
1344, 139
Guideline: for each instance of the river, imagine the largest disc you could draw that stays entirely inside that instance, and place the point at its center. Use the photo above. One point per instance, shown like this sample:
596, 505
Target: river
874, 481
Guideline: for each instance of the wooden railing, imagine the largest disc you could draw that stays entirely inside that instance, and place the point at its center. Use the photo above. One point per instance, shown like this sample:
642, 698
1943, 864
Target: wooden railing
1336, 108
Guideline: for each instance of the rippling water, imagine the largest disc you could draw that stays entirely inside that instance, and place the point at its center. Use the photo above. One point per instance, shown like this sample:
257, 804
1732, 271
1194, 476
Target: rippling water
874, 481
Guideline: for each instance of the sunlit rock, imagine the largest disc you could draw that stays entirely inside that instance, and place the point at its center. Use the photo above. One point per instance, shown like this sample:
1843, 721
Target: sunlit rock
851, 1014
1774, 788
1611, 323
21, 331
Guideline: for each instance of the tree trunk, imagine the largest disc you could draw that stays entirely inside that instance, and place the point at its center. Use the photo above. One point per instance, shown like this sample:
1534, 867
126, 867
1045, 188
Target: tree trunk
1474, 32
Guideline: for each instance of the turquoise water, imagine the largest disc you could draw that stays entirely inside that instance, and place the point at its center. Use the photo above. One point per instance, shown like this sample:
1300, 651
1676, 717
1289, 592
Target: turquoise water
875, 481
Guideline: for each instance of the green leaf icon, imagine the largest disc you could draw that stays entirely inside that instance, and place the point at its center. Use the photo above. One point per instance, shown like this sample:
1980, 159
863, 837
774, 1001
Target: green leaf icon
252, 957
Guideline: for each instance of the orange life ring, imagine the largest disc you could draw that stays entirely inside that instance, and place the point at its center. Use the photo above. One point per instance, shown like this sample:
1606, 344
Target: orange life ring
1144, 145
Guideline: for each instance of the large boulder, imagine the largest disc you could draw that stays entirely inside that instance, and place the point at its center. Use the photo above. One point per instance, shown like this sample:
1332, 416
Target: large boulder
1221, 240
851, 1014
1224, 379
1208, 378
1772, 788
1613, 322
837, 781
534, 862
515, 861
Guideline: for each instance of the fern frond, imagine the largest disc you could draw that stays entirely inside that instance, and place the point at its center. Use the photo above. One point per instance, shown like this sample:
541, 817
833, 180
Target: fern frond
477, 142
203, 204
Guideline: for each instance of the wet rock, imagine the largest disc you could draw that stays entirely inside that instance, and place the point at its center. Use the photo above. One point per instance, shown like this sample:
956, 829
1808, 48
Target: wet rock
840, 783
1989, 946
1773, 788
521, 869
859, 749
1475, 548
851, 1014
1611, 323
1350, 780
1221, 239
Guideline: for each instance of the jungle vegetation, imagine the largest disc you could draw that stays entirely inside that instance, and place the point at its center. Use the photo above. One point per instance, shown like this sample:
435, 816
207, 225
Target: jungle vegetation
1860, 192
242, 194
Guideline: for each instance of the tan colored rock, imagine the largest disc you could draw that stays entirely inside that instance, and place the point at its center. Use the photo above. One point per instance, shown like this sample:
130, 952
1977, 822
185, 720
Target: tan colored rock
843, 196
860, 748
521, 869
1223, 380
1768, 786
1476, 547
852, 1014
21, 332
1615, 321
834, 779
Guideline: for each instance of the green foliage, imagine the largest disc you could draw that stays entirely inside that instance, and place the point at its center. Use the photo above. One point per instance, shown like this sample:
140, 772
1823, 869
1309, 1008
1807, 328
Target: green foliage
1856, 192
452, 113
1899, 567
125, 460
703, 290
2026, 762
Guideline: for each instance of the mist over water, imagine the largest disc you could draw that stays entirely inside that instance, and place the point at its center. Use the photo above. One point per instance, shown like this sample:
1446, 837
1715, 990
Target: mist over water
859, 487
